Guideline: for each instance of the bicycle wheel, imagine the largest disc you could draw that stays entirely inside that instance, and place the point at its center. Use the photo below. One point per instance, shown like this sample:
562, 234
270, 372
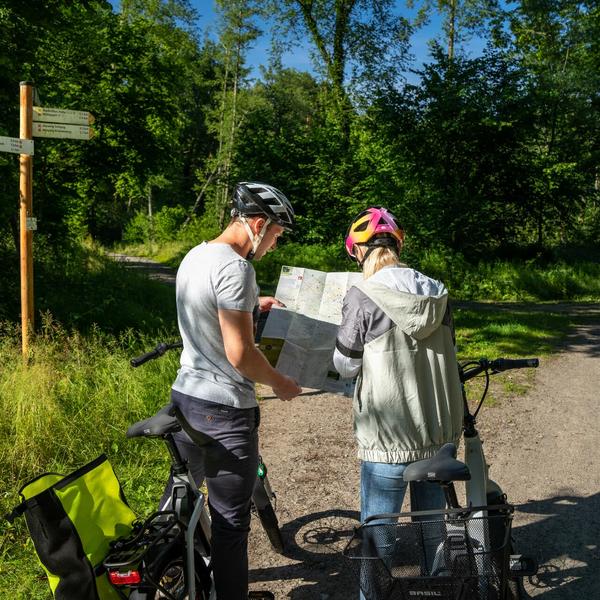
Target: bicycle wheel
170, 575
261, 499
268, 520
515, 589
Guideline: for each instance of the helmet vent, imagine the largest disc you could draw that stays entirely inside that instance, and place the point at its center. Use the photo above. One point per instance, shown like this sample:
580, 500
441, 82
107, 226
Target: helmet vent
362, 226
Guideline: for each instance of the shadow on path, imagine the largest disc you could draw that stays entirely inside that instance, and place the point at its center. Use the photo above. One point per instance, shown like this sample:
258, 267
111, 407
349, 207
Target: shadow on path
565, 540
579, 309
316, 542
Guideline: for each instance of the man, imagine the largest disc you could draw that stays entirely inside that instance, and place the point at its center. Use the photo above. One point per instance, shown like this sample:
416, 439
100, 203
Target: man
217, 298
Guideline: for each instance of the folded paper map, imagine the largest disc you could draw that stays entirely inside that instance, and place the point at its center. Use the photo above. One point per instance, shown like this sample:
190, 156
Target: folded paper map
299, 340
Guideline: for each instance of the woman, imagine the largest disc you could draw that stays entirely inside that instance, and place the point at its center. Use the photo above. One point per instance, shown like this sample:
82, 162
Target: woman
397, 336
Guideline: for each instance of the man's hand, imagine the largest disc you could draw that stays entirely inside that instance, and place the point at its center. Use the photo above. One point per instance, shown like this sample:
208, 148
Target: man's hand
266, 303
288, 389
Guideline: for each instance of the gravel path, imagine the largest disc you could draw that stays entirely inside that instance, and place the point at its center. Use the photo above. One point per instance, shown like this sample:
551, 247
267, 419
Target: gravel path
544, 449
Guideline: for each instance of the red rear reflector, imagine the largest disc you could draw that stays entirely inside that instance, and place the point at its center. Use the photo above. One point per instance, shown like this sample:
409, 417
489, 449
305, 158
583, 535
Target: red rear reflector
124, 577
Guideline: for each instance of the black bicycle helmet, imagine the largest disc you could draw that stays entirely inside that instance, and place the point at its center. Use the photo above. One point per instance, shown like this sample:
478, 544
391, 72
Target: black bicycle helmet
252, 198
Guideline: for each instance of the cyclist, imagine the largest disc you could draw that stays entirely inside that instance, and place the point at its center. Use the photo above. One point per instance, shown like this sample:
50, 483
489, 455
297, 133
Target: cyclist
397, 335
217, 297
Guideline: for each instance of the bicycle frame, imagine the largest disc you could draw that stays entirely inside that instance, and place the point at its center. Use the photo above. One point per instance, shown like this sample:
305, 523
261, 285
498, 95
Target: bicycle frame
185, 494
459, 546
187, 502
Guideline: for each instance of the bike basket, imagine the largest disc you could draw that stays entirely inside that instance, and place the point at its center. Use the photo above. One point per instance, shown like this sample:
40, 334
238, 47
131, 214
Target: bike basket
447, 555
71, 521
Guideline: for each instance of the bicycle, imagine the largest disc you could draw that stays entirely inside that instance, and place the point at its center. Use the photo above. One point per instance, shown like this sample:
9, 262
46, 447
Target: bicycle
451, 554
157, 559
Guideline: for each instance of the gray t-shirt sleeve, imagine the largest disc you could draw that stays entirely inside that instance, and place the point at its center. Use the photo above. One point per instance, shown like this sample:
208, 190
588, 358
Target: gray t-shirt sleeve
235, 286
350, 340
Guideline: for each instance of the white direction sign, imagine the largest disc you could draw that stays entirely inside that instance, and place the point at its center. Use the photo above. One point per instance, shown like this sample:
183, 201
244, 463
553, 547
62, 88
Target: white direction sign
61, 115
16, 145
59, 130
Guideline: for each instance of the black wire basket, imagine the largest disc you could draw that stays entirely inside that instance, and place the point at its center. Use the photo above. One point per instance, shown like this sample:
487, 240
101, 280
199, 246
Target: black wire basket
446, 555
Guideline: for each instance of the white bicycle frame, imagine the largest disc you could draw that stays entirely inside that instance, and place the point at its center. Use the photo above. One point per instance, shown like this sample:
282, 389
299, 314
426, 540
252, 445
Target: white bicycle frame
478, 490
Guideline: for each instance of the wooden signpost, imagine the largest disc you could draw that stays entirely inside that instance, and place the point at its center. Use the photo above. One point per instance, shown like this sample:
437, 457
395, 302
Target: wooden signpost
25, 213
36, 121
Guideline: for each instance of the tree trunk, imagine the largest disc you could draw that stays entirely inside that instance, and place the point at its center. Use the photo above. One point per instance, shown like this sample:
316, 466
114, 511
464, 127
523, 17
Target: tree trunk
452, 29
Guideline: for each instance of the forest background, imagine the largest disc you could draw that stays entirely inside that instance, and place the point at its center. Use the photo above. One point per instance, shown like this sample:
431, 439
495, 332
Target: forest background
491, 164
485, 159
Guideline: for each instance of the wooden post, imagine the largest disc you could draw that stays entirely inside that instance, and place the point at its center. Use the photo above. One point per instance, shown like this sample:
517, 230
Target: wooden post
26, 210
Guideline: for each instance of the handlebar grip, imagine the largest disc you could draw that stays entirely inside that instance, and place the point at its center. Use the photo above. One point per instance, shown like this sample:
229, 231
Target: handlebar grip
504, 364
144, 358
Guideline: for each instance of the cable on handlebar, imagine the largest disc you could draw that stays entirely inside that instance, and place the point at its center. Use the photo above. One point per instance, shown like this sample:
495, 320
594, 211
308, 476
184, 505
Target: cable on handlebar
483, 365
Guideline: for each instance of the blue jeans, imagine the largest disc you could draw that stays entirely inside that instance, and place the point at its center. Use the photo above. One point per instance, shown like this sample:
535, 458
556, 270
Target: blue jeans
382, 490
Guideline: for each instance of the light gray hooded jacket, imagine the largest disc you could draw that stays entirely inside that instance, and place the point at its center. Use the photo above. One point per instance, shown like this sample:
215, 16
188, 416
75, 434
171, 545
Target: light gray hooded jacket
408, 400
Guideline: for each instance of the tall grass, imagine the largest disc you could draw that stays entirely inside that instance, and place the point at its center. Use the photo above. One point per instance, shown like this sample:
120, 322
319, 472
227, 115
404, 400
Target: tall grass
78, 394
73, 402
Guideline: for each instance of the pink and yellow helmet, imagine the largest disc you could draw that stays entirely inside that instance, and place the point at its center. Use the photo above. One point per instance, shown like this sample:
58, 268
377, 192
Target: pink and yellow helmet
369, 223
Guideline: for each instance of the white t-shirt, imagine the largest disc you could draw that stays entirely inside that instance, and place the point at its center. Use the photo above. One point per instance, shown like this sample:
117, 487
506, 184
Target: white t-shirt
212, 277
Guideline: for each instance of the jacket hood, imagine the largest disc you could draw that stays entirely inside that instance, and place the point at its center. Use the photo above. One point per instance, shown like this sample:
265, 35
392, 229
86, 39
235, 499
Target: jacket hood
416, 315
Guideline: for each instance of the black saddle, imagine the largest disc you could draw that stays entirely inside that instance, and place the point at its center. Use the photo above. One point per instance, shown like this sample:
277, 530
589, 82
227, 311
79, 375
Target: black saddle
168, 419
161, 423
442, 467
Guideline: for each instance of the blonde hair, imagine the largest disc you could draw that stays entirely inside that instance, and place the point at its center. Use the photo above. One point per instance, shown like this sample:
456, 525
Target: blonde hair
379, 258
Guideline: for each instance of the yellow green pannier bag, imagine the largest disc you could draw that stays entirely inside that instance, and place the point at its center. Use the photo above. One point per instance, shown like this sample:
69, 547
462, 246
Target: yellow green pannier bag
71, 520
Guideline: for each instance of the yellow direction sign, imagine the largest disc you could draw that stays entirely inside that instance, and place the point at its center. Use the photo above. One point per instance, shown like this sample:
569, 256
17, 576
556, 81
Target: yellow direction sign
42, 114
59, 130
16, 145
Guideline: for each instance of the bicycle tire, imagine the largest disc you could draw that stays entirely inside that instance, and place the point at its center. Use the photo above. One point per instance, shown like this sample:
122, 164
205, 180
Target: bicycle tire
515, 589
170, 571
270, 524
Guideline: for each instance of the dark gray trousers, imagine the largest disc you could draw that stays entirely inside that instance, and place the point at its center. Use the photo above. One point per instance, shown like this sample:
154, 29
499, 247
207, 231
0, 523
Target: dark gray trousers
229, 465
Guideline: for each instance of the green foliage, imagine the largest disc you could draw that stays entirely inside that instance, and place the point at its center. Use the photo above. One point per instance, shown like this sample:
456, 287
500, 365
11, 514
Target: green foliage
484, 157
532, 280
137, 229
164, 226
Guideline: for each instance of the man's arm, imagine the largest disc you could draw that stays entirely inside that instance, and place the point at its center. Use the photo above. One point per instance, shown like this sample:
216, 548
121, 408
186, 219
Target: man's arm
238, 338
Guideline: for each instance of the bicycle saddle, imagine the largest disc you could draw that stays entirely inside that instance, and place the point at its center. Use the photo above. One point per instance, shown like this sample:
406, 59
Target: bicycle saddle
160, 424
441, 467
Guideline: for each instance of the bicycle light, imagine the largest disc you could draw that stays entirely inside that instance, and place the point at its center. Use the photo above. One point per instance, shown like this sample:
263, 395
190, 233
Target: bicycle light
124, 577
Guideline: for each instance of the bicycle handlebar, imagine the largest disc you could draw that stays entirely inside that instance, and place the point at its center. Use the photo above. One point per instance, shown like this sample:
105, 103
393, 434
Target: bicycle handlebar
504, 364
498, 365
158, 351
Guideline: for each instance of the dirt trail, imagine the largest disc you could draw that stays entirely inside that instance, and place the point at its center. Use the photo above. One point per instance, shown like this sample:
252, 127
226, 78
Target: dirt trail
544, 449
